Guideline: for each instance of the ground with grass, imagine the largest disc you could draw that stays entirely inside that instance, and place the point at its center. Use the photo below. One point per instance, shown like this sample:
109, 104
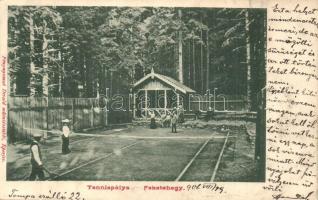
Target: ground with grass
152, 155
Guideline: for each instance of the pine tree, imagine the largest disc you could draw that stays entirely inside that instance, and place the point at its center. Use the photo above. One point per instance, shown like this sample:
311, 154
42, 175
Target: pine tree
180, 52
248, 61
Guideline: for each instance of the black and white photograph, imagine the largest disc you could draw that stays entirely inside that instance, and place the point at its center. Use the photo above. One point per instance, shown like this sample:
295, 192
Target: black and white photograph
101, 93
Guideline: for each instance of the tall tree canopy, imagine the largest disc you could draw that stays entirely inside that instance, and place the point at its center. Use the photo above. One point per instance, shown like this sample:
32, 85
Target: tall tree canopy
81, 51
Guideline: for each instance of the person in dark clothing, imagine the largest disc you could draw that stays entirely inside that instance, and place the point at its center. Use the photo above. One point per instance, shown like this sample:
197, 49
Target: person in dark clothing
167, 121
180, 114
174, 120
36, 158
209, 114
152, 120
197, 114
174, 110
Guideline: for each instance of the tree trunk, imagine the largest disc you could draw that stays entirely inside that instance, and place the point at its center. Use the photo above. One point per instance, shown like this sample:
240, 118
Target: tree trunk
104, 84
180, 51
207, 61
45, 75
13, 81
201, 60
189, 63
85, 77
193, 59
97, 86
32, 64
61, 73
111, 83
248, 62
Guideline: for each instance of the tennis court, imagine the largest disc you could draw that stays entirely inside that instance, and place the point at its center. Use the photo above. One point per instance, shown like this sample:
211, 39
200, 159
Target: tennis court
133, 154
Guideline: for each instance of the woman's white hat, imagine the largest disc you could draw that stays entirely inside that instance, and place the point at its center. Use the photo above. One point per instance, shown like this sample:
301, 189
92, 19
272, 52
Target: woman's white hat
37, 134
65, 120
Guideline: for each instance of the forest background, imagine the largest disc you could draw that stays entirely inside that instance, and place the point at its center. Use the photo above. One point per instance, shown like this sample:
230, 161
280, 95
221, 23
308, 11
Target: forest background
81, 51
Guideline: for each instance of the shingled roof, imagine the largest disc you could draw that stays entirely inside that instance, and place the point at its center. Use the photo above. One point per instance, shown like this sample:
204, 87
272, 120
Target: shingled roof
168, 80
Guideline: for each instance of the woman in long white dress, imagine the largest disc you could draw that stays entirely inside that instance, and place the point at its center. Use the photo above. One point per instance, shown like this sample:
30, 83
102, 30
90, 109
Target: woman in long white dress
65, 137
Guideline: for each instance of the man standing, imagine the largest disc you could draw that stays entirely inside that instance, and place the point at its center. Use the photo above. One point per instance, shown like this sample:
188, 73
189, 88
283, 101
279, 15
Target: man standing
152, 120
167, 121
180, 114
209, 114
174, 120
36, 158
65, 137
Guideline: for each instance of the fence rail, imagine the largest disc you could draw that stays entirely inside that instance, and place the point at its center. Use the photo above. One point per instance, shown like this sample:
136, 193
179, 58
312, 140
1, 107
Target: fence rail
26, 114
219, 103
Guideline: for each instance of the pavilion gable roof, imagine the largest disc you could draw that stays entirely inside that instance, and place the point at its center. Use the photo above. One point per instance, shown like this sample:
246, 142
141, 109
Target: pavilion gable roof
168, 80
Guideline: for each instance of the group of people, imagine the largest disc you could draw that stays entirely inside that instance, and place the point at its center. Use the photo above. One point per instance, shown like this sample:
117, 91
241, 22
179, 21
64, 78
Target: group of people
165, 121
209, 114
168, 120
37, 168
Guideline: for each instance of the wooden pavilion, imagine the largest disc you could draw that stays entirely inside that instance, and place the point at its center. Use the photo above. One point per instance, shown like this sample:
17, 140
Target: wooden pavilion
159, 94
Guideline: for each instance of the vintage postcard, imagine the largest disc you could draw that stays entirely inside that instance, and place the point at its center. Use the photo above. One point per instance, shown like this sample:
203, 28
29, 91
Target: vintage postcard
158, 100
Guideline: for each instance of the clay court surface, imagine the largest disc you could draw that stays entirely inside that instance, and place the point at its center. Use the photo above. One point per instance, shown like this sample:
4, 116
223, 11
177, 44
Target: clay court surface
141, 154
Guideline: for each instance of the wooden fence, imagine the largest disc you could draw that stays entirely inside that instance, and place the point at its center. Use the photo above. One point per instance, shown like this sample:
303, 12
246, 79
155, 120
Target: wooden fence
219, 103
29, 114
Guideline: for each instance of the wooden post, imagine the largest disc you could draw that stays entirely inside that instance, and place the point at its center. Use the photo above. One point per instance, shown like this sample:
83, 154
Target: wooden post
92, 115
106, 105
47, 118
200, 103
106, 116
178, 100
165, 102
73, 114
134, 105
189, 102
146, 103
